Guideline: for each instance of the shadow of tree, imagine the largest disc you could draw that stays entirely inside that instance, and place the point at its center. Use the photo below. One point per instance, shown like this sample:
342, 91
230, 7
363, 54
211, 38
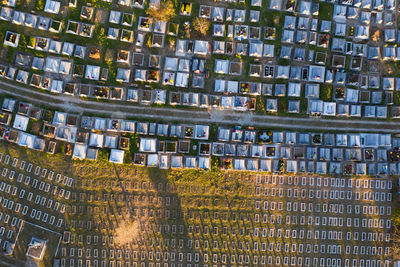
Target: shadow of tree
172, 214
162, 227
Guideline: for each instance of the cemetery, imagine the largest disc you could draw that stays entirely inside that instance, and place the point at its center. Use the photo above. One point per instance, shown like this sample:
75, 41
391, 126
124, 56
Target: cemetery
221, 55
307, 220
87, 189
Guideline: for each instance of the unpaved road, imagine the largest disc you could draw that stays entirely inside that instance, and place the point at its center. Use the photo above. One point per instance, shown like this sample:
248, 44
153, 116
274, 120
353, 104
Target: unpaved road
122, 109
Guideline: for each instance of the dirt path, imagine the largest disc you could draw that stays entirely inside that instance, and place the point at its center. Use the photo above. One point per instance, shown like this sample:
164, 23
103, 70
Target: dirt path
125, 110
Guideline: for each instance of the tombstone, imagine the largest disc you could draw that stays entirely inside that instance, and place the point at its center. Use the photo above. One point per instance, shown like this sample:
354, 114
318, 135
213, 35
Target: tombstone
17, 207
37, 199
38, 215
24, 210
20, 177
52, 219
50, 175
37, 170
11, 175
44, 172
33, 213
58, 177
65, 180
6, 159
45, 217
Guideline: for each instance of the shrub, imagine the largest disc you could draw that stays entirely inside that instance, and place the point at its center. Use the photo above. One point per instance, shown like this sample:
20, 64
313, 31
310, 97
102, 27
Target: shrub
164, 12
201, 25
39, 5
23, 43
100, 35
215, 162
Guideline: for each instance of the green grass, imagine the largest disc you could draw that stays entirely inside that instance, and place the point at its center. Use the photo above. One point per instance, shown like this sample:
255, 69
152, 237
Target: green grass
28, 231
348, 63
396, 97
325, 11
282, 105
283, 62
325, 92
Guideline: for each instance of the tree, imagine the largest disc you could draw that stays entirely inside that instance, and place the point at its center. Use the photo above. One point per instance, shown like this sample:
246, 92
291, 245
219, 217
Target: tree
395, 233
215, 162
100, 35
164, 12
395, 242
376, 36
23, 43
201, 25
39, 5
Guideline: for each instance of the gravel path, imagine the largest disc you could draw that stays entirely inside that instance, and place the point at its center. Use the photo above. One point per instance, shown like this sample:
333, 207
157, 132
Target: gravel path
122, 110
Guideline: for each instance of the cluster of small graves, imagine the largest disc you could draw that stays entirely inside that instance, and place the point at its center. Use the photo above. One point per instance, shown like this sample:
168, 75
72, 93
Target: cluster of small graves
243, 219
33, 204
266, 221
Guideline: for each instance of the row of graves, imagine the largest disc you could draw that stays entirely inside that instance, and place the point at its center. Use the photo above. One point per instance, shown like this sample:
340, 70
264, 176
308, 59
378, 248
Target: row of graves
303, 152
189, 146
57, 68
58, 72
353, 229
316, 107
146, 28
352, 100
30, 20
44, 23
193, 259
81, 134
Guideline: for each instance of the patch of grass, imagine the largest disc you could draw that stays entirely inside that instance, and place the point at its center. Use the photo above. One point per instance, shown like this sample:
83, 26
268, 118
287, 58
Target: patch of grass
396, 97
10, 54
325, 11
103, 154
283, 62
213, 134
282, 105
348, 63
194, 143
325, 92
39, 5
30, 230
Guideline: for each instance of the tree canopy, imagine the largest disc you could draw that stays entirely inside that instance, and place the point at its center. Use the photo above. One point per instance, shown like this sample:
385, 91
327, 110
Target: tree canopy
201, 25
164, 12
